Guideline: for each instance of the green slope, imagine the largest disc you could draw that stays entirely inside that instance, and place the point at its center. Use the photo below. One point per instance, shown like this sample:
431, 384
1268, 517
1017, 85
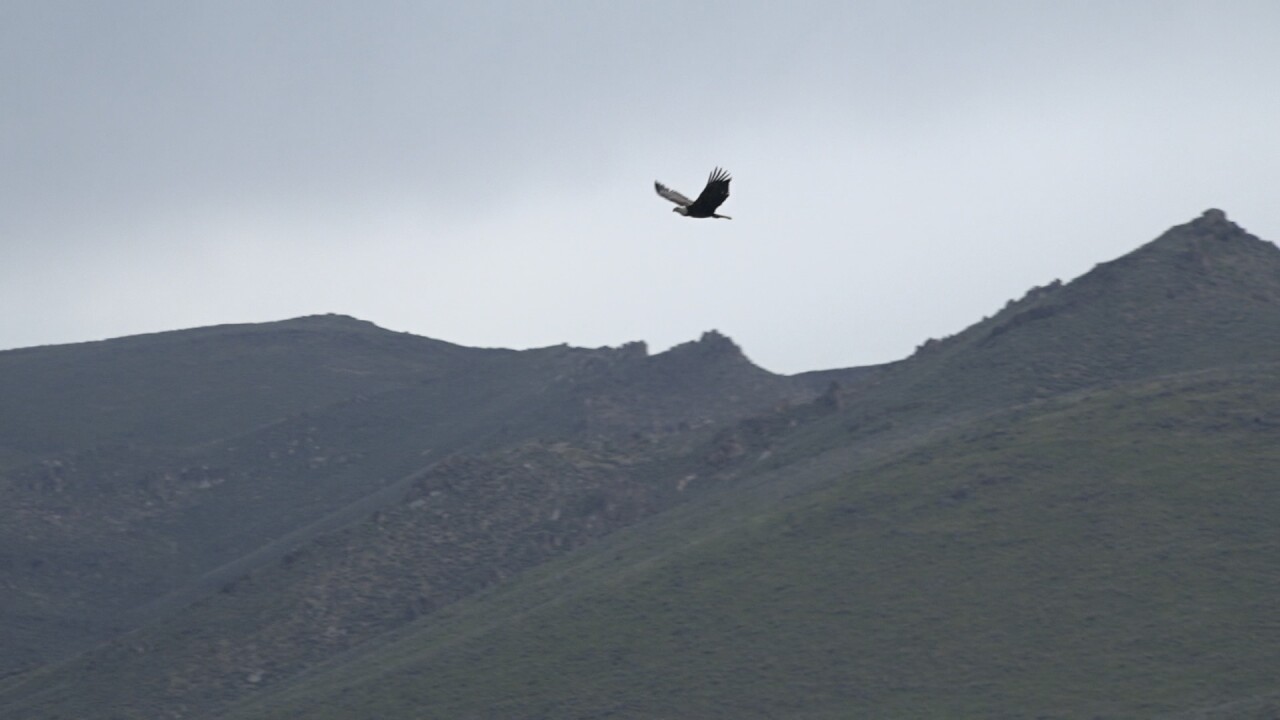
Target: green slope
190, 386
160, 468
1058, 512
1112, 554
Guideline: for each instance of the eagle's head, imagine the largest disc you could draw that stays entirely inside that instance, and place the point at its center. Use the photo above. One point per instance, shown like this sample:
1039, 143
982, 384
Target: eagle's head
680, 209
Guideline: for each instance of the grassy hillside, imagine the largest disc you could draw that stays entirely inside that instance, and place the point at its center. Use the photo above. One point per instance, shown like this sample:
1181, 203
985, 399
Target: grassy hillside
177, 388
1062, 511
1109, 554
155, 469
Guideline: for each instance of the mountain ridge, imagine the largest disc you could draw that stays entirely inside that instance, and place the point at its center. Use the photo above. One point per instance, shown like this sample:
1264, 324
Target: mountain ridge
571, 461
286, 424
1203, 278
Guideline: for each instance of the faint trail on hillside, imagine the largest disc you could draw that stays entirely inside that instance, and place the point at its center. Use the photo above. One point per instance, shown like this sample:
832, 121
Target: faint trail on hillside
275, 550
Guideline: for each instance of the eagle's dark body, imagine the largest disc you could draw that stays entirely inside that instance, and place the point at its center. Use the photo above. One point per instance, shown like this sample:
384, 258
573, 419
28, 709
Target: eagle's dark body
715, 193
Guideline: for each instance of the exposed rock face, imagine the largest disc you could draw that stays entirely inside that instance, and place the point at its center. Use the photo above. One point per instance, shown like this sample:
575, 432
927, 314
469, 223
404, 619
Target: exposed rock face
694, 384
136, 468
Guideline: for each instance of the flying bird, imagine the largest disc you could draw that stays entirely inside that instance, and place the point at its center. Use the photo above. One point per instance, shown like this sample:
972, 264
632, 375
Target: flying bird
716, 192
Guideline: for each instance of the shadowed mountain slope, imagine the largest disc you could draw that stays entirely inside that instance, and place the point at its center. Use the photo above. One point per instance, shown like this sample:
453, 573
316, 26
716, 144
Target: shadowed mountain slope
1201, 294
191, 386
147, 472
1110, 554
1061, 511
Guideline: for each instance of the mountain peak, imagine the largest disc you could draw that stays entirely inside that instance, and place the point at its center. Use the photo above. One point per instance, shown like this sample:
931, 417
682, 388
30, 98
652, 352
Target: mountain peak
1209, 251
1215, 222
1215, 216
711, 343
1203, 294
1212, 225
326, 321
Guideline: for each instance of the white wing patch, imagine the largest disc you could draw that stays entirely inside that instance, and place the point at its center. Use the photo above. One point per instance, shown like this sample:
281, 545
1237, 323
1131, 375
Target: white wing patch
672, 195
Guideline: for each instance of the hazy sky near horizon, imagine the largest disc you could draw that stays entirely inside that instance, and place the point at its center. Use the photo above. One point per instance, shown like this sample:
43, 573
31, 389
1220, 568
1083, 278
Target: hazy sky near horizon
482, 172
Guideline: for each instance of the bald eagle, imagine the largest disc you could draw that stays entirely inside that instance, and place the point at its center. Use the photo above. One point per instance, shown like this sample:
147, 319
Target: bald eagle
716, 192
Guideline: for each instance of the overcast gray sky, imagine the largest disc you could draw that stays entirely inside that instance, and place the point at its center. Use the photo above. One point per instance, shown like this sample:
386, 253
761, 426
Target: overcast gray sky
482, 172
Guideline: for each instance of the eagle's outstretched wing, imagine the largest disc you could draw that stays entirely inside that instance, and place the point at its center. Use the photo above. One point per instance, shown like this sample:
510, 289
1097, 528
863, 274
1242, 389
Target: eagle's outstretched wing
672, 195
715, 193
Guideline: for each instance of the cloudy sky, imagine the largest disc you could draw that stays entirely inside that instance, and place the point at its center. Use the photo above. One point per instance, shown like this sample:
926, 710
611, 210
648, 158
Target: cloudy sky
482, 172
